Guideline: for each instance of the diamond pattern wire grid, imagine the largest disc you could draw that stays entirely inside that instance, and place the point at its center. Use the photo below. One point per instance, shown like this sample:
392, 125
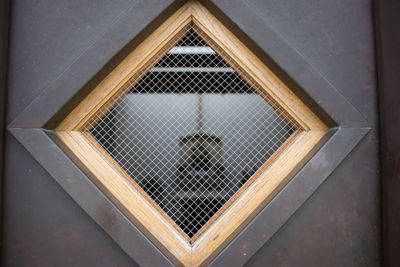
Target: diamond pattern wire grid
191, 131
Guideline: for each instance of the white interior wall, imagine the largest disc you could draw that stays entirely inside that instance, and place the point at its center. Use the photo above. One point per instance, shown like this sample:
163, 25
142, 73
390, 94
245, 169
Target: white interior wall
145, 126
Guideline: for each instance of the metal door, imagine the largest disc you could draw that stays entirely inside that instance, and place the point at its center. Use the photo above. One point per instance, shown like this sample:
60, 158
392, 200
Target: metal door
328, 215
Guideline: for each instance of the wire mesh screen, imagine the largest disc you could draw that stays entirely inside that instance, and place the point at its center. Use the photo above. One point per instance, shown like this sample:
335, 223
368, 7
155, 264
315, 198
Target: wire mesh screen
192, 130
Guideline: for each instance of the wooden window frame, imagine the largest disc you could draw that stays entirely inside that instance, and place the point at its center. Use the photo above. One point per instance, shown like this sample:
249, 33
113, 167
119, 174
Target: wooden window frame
128, 197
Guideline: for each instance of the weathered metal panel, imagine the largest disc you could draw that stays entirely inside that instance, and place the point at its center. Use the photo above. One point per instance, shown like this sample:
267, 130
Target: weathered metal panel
340, 48
80, 70
338, 225
43, 226
47, 37
4, 31
87, 195
388, 53
269, 221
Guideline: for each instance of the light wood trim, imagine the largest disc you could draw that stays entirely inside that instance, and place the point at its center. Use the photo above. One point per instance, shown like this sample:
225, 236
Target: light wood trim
253, 200
124, 175
119, 190
127, 198
266, 187
248, 184
126, 69
114, 98
251, 82
255, 67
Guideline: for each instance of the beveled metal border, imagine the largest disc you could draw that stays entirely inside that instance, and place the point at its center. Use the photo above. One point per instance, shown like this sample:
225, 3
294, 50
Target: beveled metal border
39, 143
29, 126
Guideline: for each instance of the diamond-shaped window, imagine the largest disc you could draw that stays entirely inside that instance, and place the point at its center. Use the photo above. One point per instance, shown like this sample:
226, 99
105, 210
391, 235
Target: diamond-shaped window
191, 135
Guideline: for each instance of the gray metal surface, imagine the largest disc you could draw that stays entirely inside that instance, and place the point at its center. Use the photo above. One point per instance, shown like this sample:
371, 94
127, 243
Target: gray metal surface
247, 16
289, 21
338, 225
388, 56
88, 65
88, 196
43, 225
352, 203
4, 32
291, 198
